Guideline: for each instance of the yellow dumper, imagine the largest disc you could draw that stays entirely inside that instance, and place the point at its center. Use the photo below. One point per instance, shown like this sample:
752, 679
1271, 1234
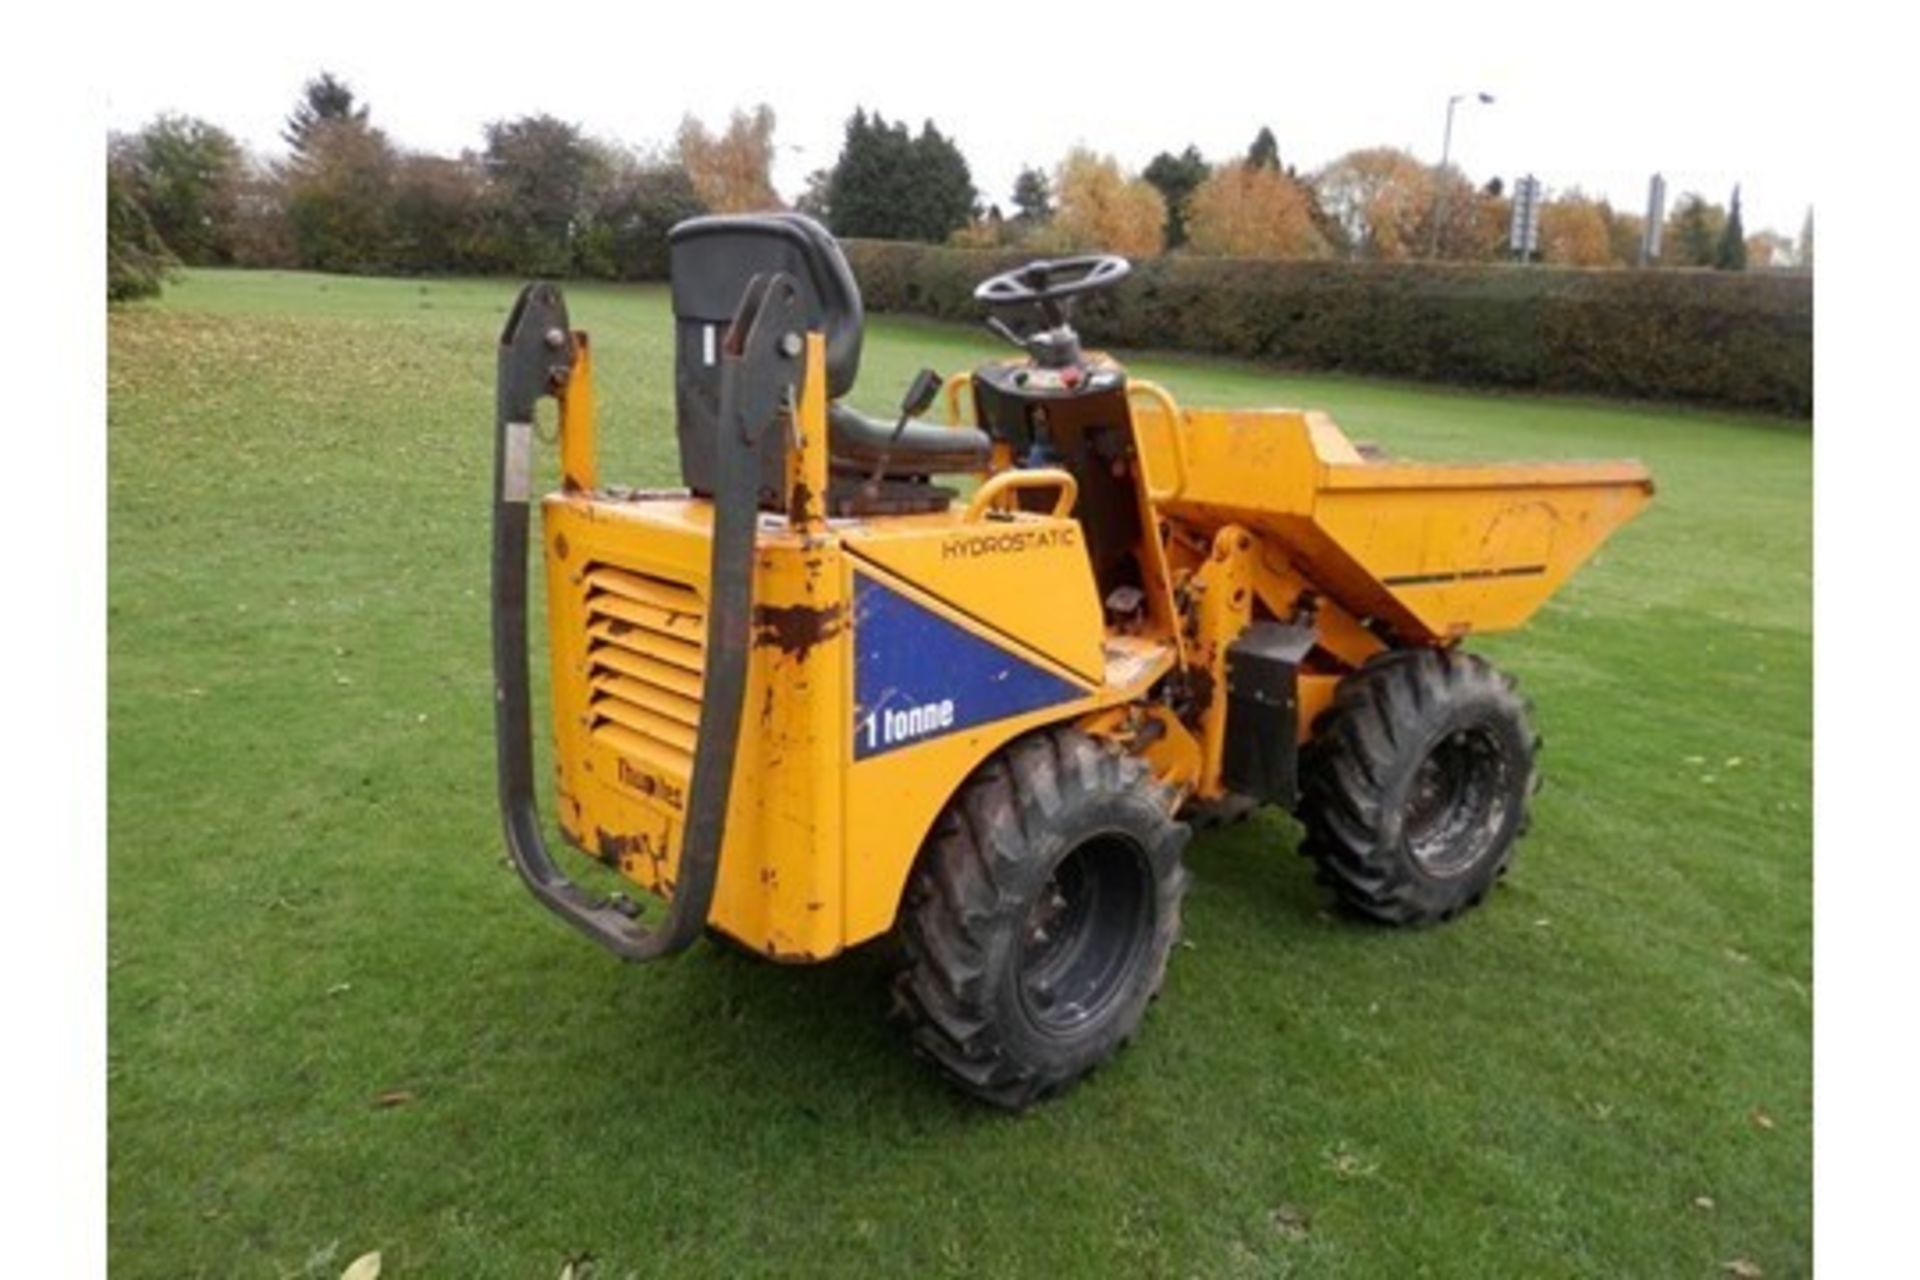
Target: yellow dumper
973, 682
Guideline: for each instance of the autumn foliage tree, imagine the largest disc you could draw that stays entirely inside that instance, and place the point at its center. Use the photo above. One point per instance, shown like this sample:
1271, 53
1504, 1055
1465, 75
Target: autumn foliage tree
1102, 208
1381, 197
1250, 211
1574, 233
1472, 220
732, 172
339, 198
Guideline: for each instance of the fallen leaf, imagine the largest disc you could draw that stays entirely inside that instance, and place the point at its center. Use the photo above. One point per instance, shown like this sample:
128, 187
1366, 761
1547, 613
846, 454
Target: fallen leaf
339, 988
1734, 762
1760, 1118
364, 1267
1743, 1269
1289, 1222
1693, 760
1703, 1203
1347, 1165
1738, 957
394, 1098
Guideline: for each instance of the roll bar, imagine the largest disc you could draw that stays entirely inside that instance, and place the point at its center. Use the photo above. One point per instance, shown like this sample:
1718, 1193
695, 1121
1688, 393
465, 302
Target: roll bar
761, 378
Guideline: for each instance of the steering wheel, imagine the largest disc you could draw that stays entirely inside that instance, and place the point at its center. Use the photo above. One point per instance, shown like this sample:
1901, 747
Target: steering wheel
1048, 280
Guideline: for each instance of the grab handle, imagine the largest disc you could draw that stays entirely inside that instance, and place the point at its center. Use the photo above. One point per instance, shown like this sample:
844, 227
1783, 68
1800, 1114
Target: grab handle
1176, 440
997, 487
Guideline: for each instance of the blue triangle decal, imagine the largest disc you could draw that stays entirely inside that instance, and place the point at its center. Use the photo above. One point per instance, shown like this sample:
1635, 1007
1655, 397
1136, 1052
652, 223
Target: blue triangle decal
918, 676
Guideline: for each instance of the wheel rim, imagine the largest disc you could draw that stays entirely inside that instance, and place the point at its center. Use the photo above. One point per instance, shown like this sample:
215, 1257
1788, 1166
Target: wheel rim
1085, 932
1457, 803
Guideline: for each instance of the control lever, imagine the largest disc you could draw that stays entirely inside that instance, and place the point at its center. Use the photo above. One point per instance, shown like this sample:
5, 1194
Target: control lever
921, 393
1005, 330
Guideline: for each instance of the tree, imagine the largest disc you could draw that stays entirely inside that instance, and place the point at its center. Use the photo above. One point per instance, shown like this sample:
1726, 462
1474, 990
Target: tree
1624, 233
438, 215
1731, 252
262, 234
1176, 178
986, 232
138, 260
340, 198
1245, 211
1032, 197
1101, 208
642, 201
1265, 151
1692, 235
184, 173
1573, 232
888, 184
541, 175
324, 100
814, 201
944, 196
1381, 197
1768, 248
733, 173
869, 185
1472, 222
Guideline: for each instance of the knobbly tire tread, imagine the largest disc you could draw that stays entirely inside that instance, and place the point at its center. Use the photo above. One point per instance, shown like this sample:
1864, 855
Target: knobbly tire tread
963, 920
1364, 750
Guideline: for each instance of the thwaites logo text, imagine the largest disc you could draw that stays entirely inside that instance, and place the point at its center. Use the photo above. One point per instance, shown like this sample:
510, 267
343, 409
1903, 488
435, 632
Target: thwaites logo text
651, 784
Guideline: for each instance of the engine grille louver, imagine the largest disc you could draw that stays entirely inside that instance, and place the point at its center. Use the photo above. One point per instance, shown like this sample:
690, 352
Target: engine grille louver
646, 638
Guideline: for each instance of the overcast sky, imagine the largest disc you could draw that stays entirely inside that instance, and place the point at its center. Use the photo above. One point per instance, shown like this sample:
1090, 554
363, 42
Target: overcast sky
1598, 97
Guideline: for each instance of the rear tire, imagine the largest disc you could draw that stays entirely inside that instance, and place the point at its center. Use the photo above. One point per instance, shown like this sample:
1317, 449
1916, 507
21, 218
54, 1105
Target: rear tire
1415, 785
1039, 918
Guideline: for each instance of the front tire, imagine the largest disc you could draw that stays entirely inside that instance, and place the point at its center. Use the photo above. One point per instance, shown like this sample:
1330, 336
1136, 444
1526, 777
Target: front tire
1416, 783
1039, 918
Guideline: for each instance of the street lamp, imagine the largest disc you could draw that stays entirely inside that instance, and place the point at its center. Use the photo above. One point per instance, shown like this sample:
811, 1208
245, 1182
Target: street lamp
1446, 153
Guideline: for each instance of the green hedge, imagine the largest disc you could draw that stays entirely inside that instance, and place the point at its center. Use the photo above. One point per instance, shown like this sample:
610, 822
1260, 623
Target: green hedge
1725, 338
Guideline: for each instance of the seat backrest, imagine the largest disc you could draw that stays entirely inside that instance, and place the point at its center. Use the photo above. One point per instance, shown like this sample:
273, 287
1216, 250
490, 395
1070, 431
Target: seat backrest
713, 258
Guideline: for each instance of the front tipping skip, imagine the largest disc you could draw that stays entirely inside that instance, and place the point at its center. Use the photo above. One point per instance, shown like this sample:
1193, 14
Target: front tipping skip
814, 696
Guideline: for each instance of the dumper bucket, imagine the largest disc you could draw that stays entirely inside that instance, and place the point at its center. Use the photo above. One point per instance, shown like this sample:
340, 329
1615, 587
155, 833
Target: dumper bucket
1435, 551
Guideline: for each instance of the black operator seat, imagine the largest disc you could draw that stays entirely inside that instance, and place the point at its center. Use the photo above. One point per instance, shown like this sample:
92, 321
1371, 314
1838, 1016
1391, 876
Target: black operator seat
713, 258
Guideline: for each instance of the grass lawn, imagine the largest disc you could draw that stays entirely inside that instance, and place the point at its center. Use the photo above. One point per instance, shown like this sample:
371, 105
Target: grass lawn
1607, 1071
